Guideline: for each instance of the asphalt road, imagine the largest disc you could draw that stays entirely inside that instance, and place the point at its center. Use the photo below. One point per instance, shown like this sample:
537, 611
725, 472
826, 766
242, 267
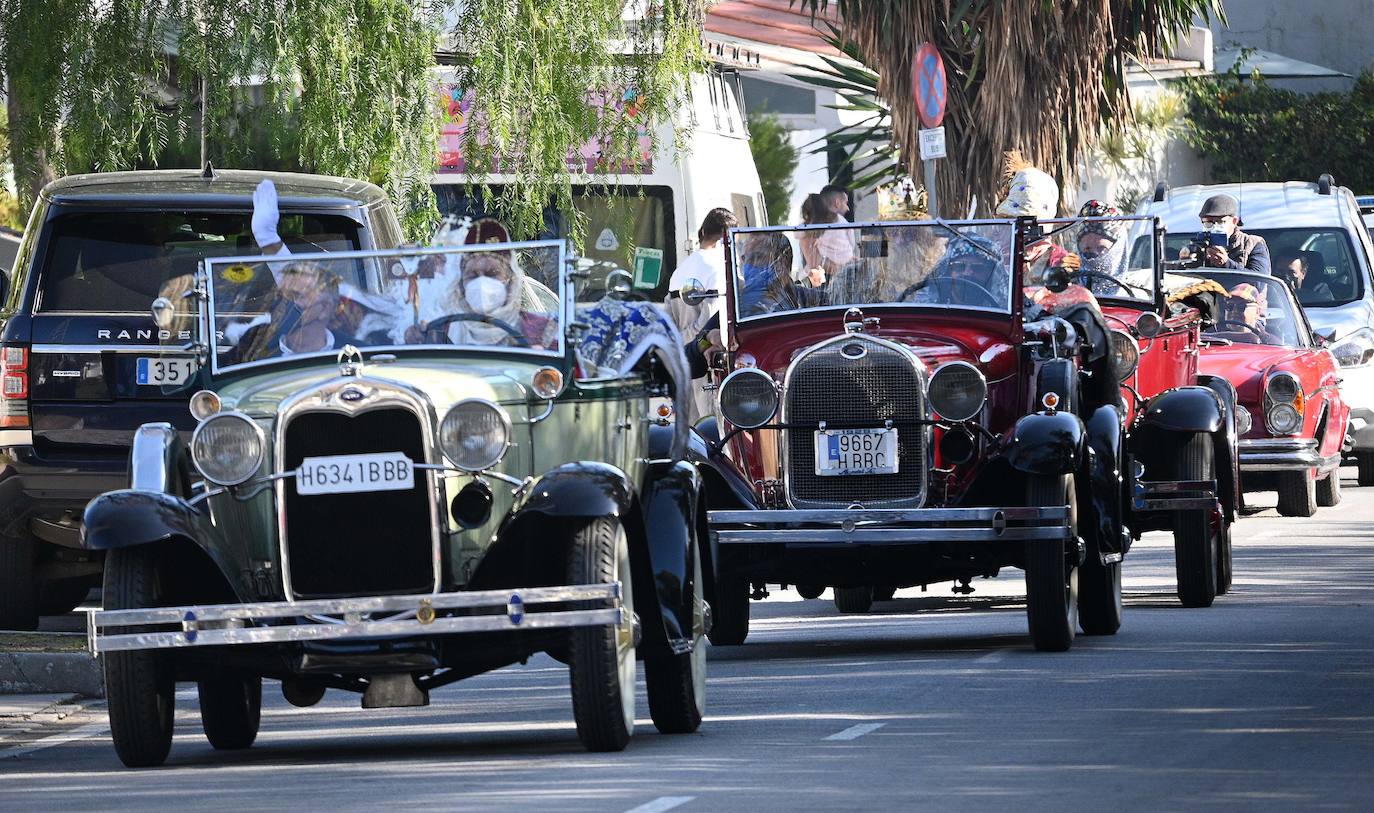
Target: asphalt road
1263, 701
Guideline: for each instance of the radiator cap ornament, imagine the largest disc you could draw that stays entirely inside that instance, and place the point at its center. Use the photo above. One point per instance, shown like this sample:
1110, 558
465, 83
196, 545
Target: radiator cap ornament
350, 361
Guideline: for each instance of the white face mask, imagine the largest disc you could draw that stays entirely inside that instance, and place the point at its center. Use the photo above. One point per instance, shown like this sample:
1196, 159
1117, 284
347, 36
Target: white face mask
484, 294
1216, 228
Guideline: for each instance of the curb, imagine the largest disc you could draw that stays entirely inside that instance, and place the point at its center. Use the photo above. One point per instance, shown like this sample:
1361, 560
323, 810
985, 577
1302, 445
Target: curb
51, 673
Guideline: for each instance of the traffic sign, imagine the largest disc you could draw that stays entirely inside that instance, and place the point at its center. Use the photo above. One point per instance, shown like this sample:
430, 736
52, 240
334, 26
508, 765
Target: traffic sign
932, 143
928, 82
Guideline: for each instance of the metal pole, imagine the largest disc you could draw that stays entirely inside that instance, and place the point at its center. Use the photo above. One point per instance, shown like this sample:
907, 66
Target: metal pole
204, 147
932, 210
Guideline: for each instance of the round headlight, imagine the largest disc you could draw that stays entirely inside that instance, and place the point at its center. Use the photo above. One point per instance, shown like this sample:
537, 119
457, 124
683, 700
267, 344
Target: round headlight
748, 398
1283, 388
1284, 419
1244, 421
957, 391
1125, 354
227, 448
1148, 325
475, 434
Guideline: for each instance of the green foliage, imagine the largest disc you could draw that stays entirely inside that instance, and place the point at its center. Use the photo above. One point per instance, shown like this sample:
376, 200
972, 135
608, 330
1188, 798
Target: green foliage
1252, 131
11, 216
776, 160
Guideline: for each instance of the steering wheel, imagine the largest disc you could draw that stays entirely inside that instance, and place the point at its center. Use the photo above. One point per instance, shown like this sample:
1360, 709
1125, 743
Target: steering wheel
1120, 283
1258, 333
988, 297
443, 322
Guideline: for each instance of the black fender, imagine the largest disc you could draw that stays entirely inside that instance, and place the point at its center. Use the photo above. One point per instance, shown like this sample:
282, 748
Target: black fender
1047, 443
1106, 489
1060, 377
1224, 445
584, 489
1185, 409
724, 488
669, 505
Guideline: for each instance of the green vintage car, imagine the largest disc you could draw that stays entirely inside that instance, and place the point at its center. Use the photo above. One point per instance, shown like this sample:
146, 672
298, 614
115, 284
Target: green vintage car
408, 471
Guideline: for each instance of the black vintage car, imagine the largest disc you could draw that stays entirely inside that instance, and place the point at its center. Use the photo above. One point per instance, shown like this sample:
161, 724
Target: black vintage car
83, 364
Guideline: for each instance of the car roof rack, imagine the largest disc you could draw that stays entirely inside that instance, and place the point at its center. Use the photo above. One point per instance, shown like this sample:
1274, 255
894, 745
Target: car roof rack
1324, 183
1161, 190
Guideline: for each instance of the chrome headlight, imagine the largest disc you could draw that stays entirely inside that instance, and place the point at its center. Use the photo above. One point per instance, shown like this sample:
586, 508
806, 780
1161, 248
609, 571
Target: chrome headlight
1284, 403
1125, 354
957, 391
1355, 350
227, 448
748, 398
475, 434
1244, 421
1283, 419
1283, 388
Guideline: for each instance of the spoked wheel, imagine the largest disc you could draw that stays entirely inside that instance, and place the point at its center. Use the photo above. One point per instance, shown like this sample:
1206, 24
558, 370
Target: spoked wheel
1223, 554
140, 686
677, 683
1297, 494
602, 667
1051, 580
1329, 489
230, 710
810, 591
730, 613
1195, 533
853, 599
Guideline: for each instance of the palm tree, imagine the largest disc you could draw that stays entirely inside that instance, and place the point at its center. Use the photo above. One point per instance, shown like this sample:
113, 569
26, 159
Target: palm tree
1042, 77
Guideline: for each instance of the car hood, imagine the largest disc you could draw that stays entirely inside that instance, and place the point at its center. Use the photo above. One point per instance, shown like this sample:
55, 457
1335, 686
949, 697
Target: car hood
1340, 320
1246, 365
443, 381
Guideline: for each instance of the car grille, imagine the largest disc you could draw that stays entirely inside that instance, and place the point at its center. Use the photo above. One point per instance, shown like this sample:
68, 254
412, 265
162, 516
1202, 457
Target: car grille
363, 544
881, 385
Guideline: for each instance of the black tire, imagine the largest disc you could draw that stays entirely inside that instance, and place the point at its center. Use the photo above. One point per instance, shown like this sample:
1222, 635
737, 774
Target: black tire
61, 596
1329, 489
884, 593
1365, 460
1099, 596
18, 589
230, 710
1195, 539
1297, 494
730, 613
1224, 559
810, 591
1051, 585
602, 668
140, 686
677, 683
853, 599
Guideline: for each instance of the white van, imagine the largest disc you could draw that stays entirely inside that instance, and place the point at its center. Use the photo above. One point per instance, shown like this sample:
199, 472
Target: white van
647, 236
1323, 221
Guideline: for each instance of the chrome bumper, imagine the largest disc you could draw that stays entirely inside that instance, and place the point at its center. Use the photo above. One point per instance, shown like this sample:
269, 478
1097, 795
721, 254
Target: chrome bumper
889, 526
1284, 454
1173, 495
407, 616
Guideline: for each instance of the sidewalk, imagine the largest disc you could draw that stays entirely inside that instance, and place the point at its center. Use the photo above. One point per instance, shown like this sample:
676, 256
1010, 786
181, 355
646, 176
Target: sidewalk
22, 715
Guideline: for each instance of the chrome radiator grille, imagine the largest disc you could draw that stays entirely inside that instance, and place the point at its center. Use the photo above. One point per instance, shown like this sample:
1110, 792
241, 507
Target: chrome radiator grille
360, 544
829, 385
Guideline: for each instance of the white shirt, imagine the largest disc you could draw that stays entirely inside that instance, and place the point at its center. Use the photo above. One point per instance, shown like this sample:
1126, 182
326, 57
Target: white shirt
707, 265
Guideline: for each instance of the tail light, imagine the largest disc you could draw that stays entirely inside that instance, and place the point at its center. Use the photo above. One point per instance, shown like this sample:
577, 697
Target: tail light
14, 386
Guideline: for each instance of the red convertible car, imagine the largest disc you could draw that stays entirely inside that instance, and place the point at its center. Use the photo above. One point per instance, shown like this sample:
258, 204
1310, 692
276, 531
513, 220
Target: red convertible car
1292, 419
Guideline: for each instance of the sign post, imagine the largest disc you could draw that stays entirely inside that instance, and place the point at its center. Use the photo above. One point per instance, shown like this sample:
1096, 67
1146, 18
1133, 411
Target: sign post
928, 82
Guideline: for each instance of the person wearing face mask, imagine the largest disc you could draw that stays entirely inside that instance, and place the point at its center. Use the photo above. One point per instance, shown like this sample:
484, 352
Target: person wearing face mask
1220, 215
304, 319
1100, 250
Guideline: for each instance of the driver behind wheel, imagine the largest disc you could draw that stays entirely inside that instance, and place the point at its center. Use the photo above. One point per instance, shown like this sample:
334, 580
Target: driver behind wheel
1243, 317
972, 272
1100, 249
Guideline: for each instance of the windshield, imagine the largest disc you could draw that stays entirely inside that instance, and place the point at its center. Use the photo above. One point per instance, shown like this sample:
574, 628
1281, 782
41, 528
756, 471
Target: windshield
1114, 257
1257, 309
1318, 263
959, 265
500, 296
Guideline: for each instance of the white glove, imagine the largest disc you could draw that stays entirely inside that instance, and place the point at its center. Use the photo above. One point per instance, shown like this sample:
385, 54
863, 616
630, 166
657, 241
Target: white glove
265, 214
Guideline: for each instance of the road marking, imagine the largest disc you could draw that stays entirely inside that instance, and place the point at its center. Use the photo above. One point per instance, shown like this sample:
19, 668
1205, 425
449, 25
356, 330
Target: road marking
88, 730
855, 731
661, 804
992, 657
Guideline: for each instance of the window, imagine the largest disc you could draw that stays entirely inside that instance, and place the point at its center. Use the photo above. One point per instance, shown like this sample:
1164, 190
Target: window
763, 96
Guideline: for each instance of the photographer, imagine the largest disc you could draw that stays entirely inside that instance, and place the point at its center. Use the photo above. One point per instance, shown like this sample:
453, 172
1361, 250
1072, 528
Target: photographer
1228, 246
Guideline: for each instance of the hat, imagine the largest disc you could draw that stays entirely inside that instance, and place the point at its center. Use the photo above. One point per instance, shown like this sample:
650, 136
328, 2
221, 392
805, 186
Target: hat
1220, 206
1096, 208
975, 245
486, 230
1247, 292
1033, 193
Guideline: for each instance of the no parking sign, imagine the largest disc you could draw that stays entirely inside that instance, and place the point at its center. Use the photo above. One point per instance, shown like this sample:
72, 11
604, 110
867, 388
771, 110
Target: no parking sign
928, 82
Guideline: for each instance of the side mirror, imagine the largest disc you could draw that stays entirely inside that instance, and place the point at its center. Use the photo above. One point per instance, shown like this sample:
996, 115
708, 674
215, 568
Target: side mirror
695, 293
1324, 339
1056, 279
163, 312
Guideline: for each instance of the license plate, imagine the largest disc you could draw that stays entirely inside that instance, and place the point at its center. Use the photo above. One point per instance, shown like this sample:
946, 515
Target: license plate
352, 473
856, 451
160, 371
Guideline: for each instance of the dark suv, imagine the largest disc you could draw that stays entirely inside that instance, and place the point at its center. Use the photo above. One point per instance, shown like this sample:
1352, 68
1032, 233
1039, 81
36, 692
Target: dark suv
82, 365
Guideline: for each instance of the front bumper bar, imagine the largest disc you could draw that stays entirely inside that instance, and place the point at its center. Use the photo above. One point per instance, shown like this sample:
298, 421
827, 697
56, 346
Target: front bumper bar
1284, 454
889, 526
1173, 495
351, 618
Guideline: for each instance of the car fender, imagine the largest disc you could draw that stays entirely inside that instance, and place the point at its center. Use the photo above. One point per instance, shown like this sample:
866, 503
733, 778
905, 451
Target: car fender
1047, 443
1185, 409
1224, 445
669, 505
583, 489
1106, 490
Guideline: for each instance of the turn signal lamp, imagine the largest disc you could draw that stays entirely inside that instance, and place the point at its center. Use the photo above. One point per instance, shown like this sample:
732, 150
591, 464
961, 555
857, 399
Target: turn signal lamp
547, 382
1051, 400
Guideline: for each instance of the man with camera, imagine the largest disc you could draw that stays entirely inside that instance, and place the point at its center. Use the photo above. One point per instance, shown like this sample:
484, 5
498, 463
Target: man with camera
1222, 244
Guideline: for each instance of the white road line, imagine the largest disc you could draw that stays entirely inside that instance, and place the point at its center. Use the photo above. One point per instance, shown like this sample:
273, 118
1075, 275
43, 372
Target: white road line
992, 657
661, 804
855, 731
88, 730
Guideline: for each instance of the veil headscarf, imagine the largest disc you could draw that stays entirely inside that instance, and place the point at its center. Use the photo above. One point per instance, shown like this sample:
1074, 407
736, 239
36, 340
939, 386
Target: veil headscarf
1111, 262
480, 332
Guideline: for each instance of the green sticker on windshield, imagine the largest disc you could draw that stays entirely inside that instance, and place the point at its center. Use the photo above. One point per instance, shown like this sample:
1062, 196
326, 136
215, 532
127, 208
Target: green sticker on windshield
648, 266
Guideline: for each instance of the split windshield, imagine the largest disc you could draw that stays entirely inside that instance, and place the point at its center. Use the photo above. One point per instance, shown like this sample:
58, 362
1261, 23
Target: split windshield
964, 265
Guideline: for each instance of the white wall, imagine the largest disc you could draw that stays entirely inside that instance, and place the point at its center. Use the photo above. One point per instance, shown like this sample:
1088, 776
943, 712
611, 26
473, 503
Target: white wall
1332, 33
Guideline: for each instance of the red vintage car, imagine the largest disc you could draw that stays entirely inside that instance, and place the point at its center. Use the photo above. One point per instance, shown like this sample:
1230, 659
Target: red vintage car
906, 423
1180, 423
1292, 418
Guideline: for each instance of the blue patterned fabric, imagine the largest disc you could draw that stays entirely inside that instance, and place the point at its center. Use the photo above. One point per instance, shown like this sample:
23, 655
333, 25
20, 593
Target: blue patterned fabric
619, 333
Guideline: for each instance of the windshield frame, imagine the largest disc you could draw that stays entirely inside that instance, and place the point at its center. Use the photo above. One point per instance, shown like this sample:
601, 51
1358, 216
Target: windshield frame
208, 338
1013, 262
